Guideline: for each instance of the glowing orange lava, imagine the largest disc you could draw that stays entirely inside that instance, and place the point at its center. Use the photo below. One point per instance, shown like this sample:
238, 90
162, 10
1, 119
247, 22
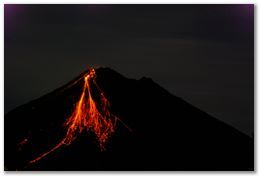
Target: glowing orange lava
88, 115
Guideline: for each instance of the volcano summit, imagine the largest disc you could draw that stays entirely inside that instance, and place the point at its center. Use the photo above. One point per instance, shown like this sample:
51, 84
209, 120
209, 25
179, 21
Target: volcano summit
104, 121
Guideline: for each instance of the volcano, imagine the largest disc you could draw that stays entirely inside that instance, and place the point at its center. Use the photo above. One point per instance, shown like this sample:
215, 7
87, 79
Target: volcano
104, 121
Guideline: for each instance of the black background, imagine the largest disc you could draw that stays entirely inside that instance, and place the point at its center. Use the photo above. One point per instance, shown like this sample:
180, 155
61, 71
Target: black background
201, 53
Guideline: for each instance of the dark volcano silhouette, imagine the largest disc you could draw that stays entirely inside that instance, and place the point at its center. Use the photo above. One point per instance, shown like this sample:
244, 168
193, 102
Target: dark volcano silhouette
167, 132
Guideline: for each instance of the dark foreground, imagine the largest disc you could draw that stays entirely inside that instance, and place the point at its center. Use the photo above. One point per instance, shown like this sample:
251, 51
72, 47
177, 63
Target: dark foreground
167, 132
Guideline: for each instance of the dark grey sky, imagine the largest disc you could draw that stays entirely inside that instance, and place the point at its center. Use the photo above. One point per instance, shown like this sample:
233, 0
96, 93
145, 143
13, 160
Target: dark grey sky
202, 53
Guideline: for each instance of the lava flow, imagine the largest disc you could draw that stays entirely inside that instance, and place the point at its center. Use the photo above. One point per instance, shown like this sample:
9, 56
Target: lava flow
88, 115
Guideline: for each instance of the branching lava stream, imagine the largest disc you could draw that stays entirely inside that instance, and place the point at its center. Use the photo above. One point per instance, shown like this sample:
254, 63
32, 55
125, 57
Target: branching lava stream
88, 115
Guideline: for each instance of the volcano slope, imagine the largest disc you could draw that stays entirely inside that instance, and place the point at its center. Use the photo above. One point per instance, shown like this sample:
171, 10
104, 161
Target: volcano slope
152, 130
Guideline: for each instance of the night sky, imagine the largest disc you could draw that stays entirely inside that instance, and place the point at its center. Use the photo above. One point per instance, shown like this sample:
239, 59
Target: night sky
201, 53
